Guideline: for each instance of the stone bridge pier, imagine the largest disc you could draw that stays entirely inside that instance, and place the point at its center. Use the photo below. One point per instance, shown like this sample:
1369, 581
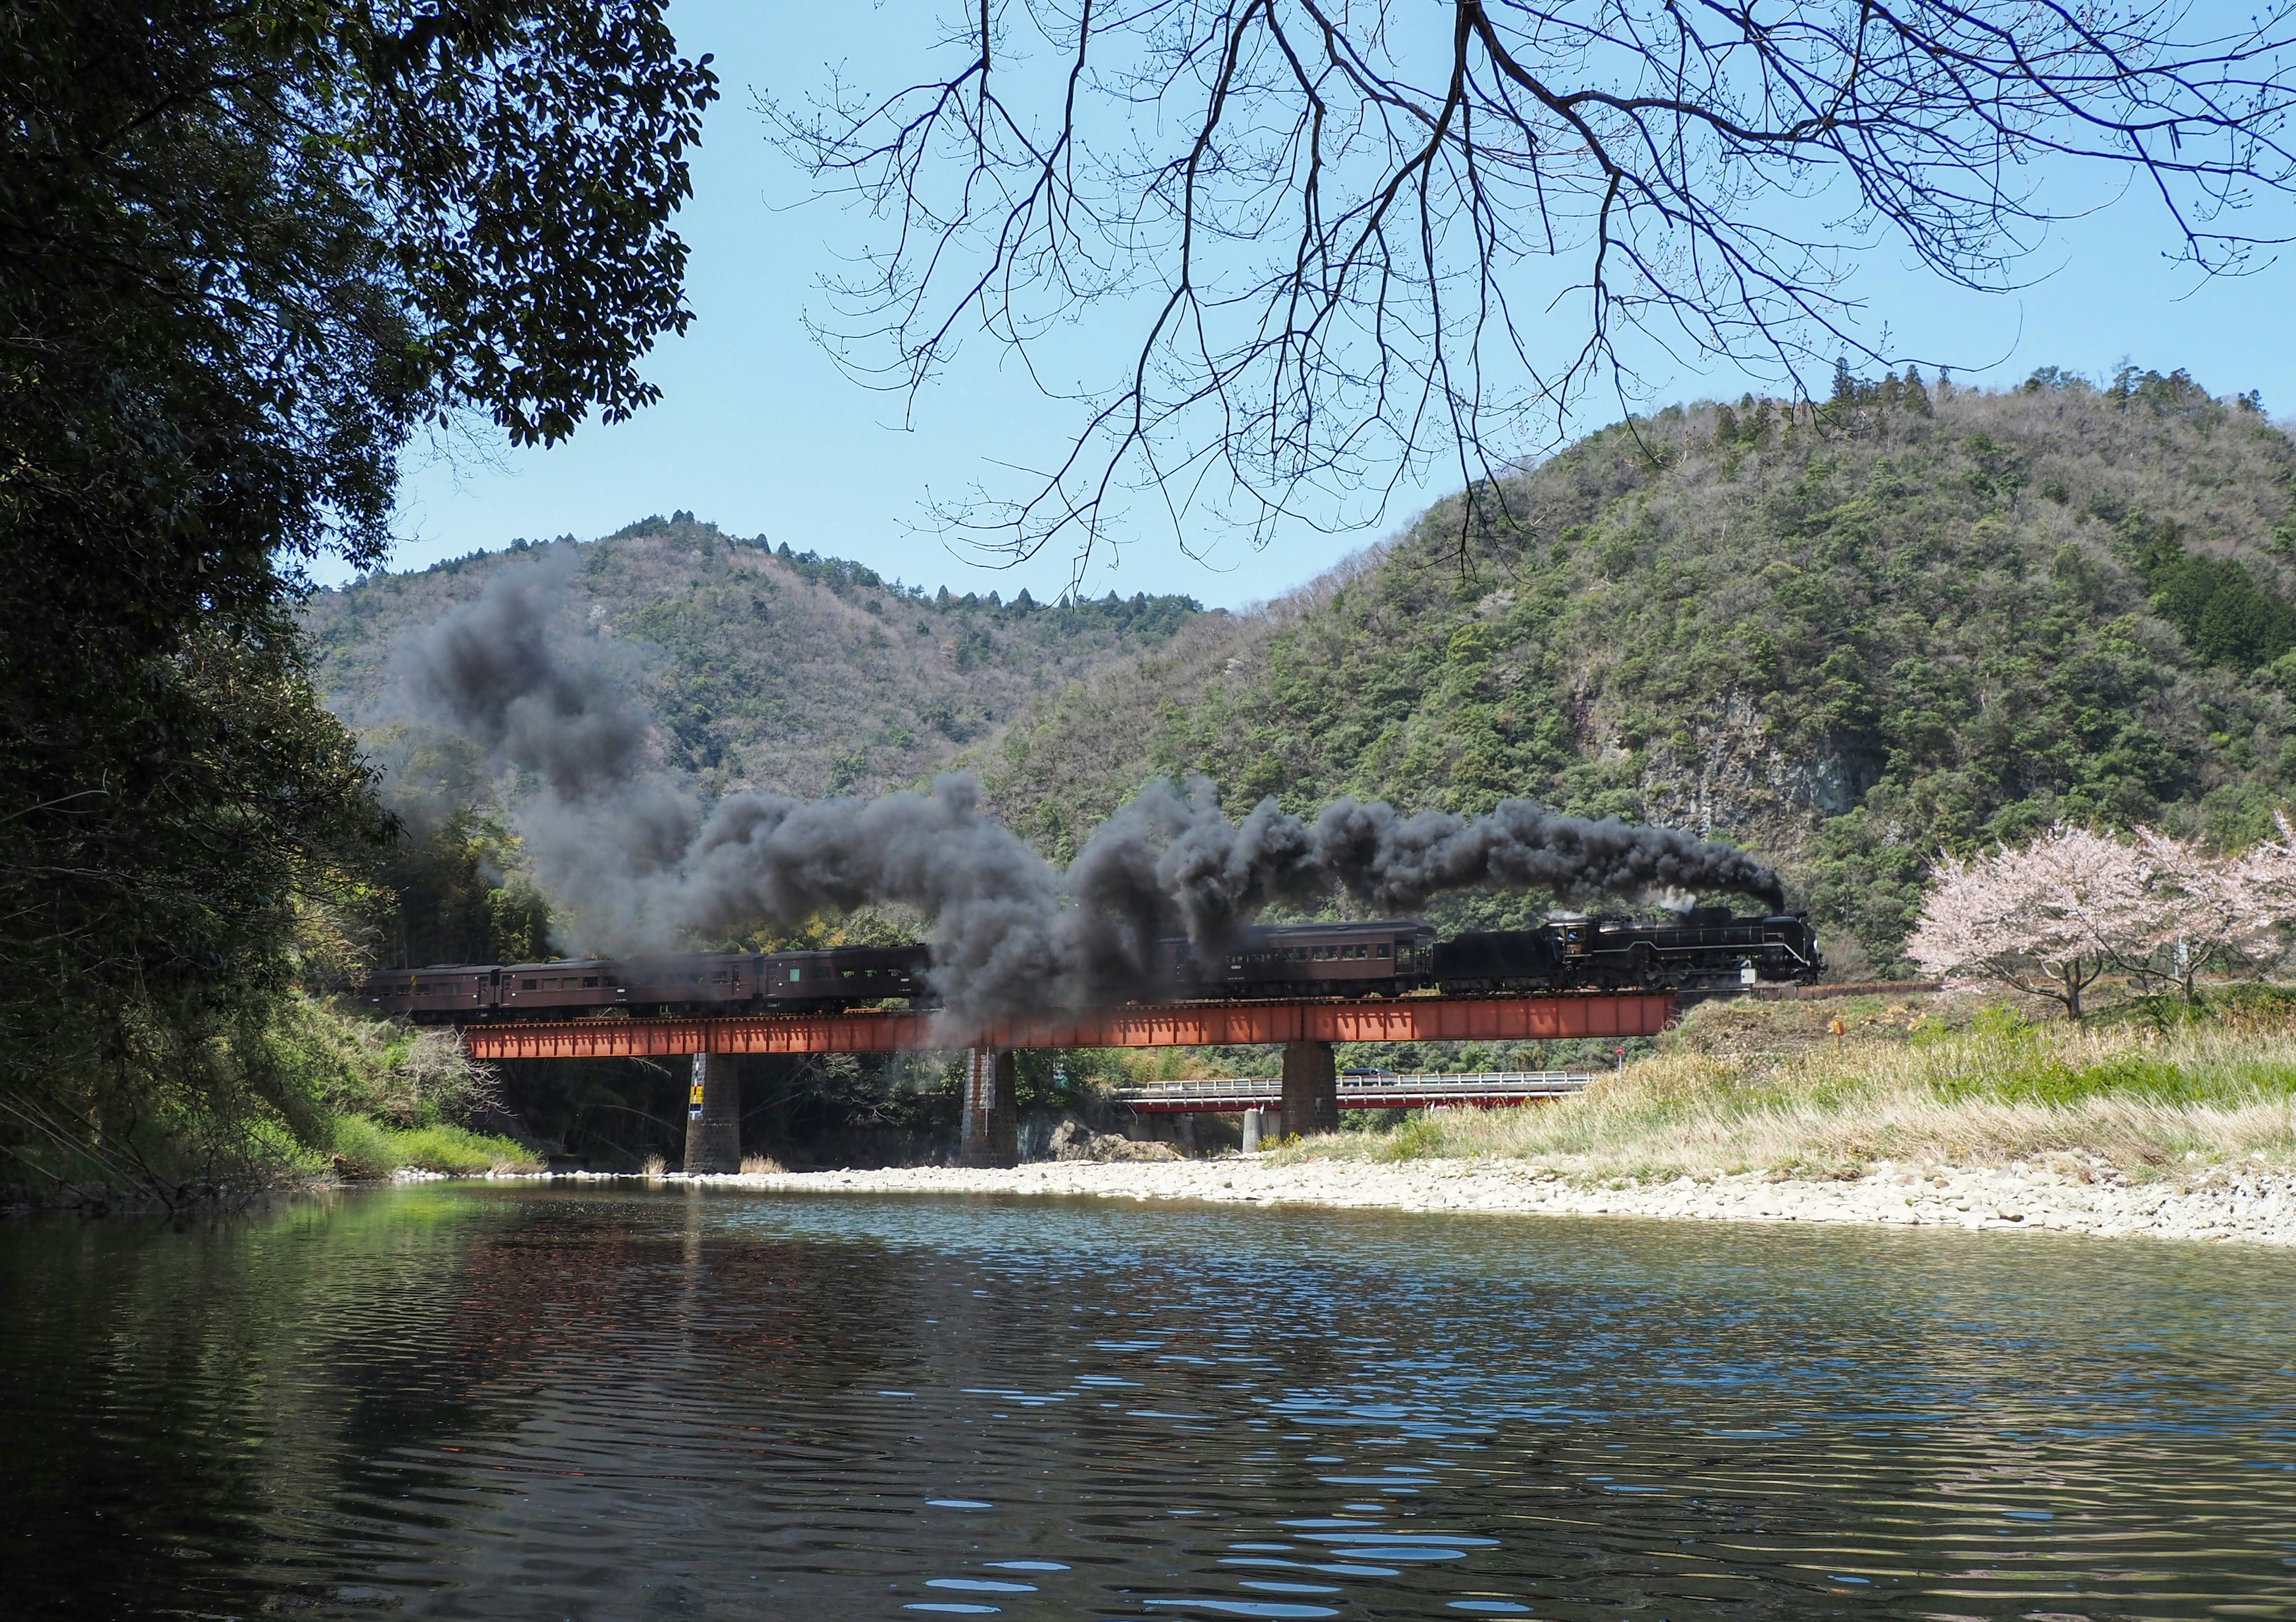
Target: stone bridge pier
1311, 1088
991, 1135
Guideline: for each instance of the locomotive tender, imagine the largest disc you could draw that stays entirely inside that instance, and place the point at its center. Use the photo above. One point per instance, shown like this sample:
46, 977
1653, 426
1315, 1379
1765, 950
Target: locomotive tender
1386, 958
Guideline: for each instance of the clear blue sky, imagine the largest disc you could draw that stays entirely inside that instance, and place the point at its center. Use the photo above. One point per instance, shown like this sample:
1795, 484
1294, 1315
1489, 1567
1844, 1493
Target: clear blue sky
759, 433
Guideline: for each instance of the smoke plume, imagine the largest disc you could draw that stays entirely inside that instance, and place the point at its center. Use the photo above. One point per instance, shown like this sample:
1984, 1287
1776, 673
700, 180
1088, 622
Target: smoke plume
494, 671
621, 845
1213, 876
607, 824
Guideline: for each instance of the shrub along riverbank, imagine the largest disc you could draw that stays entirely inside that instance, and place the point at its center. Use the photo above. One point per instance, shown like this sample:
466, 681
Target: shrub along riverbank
2153, 1090
309, 1091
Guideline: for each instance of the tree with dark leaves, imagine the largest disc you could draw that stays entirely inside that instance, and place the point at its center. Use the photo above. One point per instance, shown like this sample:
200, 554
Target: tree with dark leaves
247, 248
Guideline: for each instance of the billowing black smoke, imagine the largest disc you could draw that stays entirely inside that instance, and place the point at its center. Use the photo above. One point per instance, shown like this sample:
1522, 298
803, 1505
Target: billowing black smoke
510, 673
622, 845
1177, 851
1010, 936
494, 668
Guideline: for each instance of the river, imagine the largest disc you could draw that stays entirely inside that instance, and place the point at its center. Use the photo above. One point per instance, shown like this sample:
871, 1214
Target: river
611, 1401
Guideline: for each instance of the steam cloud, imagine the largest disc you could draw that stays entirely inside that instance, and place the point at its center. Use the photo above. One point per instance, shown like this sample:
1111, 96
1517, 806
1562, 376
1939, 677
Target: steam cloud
504, 671
623, 843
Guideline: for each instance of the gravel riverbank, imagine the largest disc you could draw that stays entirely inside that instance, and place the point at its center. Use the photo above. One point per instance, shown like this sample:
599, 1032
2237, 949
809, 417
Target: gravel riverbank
2073, 1196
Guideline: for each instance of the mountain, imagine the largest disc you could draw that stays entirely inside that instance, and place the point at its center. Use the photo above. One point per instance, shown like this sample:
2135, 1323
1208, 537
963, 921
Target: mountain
761, 667
1846, 636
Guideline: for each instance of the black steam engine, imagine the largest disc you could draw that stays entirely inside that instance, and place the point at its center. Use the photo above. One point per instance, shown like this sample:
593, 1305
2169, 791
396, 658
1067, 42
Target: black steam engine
1698, 951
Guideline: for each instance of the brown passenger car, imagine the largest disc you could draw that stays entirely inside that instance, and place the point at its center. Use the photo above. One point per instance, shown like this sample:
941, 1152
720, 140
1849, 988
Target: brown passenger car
447, 992
1383, 957
572, 984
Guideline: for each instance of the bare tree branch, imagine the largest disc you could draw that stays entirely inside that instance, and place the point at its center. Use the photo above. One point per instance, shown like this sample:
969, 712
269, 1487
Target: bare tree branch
1341, 237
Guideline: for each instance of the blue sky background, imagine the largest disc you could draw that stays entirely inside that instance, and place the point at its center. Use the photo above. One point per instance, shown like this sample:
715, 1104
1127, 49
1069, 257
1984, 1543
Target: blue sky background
759, 431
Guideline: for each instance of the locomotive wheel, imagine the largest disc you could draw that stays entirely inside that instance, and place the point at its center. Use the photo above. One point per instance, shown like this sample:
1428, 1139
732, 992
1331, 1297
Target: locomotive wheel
1647, 970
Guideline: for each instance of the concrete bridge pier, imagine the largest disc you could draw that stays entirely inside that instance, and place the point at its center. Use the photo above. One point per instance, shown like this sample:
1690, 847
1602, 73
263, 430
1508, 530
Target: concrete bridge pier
713, 1115
1311, 1088
991, 1131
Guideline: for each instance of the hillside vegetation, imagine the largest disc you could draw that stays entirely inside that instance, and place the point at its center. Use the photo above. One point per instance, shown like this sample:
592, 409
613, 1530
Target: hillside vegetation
764, 668
1846, 637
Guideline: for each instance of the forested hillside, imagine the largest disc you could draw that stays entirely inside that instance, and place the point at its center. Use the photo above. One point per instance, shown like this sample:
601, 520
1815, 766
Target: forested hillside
1912, 618
763, 667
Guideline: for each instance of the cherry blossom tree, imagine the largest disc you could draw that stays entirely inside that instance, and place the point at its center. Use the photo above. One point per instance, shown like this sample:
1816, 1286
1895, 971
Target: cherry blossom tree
2046, 921
2222, 910
2050, 918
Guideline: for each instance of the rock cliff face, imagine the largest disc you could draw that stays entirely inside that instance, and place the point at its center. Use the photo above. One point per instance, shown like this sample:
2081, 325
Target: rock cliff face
1737, 781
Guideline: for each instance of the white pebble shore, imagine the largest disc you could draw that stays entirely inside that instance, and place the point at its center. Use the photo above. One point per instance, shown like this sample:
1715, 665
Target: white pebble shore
2251, 1206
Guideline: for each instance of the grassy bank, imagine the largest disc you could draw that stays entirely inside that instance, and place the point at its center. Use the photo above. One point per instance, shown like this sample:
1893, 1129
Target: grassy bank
309, 1089
1741, 1086
365, 1149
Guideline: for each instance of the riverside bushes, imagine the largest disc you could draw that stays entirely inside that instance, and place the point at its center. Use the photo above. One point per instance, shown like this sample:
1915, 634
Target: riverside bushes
365, 1149
291, 1091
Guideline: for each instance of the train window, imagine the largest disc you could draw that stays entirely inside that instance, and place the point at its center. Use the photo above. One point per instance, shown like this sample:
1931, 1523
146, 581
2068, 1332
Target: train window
1382, 949
797, 974
718, 979
1322, 954
588, 981
526, 986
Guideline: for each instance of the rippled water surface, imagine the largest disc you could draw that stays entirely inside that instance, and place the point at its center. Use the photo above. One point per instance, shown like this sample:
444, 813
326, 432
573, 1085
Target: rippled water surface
497, 1403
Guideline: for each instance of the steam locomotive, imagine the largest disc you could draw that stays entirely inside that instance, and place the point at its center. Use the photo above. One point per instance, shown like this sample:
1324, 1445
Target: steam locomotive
1697, 951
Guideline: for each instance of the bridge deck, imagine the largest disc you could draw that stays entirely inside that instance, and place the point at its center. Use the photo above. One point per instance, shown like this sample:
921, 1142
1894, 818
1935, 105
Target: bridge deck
1202, 1024
1224, 1095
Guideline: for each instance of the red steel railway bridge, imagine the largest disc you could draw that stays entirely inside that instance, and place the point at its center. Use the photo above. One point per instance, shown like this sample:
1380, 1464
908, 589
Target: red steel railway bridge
1308, 1092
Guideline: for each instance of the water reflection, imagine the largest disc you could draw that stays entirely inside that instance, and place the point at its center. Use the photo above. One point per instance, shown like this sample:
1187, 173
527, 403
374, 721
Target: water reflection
464, 1402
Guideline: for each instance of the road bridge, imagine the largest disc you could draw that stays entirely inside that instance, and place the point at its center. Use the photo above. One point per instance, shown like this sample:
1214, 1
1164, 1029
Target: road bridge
1308, 1090
1222, 1095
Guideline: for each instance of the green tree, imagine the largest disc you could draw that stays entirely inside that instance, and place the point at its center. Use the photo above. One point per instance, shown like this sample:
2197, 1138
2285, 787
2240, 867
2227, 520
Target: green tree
247, 249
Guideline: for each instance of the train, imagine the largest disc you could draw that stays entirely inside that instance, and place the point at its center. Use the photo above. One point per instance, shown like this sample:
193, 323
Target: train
1700, 950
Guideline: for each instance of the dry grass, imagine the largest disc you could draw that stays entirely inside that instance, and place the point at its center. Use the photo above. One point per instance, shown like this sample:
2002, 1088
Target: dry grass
1748, 1088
